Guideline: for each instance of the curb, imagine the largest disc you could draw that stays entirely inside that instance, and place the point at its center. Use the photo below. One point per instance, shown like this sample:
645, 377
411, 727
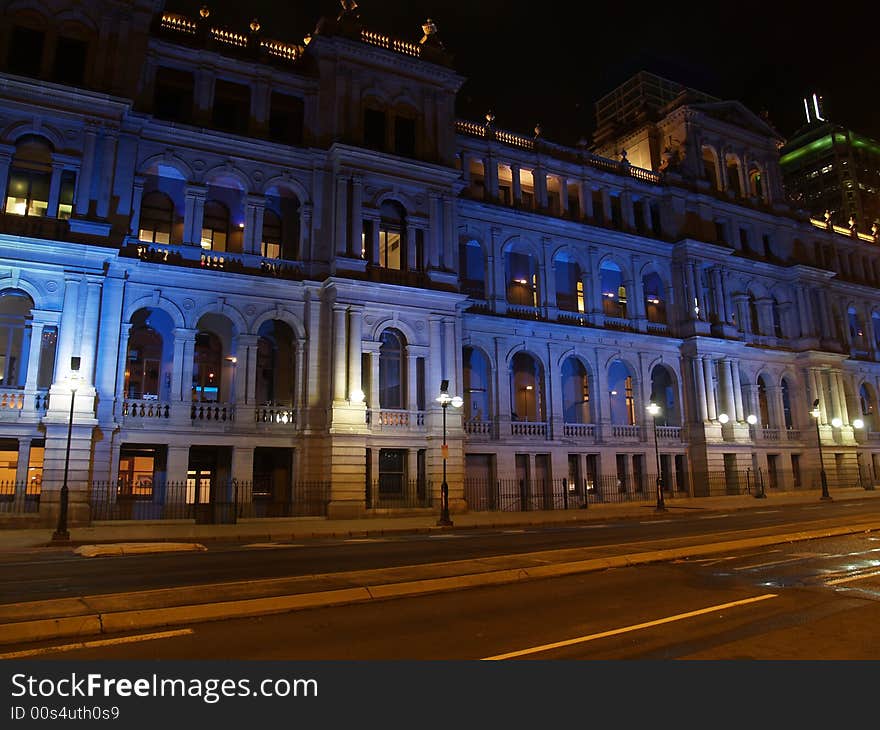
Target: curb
57, 622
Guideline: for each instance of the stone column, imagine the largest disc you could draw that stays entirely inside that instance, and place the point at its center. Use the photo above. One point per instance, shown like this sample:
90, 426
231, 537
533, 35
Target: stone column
450, 256
6, 153
647, 220
122, 359
33, 363
700, 388
563, 195
374, 382
373, 255
137, 197
515, 185
837, 382
539, 175
490, 169
86, 171
411, 264
187, 362
21, 467
836, 405
729, 390
708, 365
627, 210
67, 327
606, 206
255, 205
436, 367
356, 222
299, 394
737, 392
355, 337
412, 402
637, 297
339, 352
434, 240
54, 190
341, 227
105, 181
305, 233
193, 214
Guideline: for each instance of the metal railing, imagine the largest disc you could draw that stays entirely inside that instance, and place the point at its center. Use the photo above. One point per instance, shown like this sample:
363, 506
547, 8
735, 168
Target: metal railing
395, 492
217, 502
19, 497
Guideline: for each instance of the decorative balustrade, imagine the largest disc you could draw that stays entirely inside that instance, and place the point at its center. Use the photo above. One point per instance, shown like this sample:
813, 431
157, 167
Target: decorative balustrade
477, 427
281, 415
524, 312
669, 433
212, 412
793, 434
227, 36
528, 428
392, 44
11, 400
657, 328
873, 435
282, 50
180, 23
145, 409
629, 433
616, 323
580, 430
395, 418
16, 403
770, 434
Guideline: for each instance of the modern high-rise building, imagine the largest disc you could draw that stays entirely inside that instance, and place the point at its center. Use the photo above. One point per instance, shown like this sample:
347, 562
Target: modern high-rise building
255, 267
829, 168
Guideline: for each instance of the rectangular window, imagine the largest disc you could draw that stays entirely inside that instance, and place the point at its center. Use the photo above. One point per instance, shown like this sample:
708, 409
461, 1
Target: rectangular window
28, 192
392, 472
405, 136
138, 466
70, 61
390, 244
173, 96
35, 468
65, 200
8, 461
25, 51
232, 103
286, 114
374, 129
719, 231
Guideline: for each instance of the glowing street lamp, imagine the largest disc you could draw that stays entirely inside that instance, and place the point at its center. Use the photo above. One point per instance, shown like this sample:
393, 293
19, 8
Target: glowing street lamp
61, 533
815, 414
654, 410
444, 399
752, 419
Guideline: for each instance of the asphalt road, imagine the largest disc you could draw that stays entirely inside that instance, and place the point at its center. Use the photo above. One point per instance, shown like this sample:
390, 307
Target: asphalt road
53, 573
810, 600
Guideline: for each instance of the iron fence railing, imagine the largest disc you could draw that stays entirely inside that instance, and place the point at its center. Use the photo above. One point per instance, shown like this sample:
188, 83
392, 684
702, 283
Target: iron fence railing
206, 501
394, 492
19, 497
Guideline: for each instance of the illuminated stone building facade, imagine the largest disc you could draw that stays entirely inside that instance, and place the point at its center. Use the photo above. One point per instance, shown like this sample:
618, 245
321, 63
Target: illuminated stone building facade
268, 256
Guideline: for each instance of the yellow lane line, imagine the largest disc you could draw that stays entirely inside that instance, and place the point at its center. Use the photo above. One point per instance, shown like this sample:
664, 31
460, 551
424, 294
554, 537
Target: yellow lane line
98, 642
627, 629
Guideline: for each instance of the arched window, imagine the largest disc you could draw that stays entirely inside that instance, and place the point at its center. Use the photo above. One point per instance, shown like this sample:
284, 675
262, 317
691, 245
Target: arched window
476, 376
207, 367
613, 290
275, 364
754, 319
569, 283
157, 218
472, 270
392, 365
575, 392
392, 224
777, 319
733, 175
763, 403
868, 406
622, 394
270, 246
710, 167
281, 225
527, 384
664, 395
756, 184
655, 300
786, 405
856, 333
215, 226
27, 192
143, 366
15, 336
522, 278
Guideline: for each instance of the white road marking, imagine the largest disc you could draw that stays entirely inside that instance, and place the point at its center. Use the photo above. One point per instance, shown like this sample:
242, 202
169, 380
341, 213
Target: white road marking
765, 511
272, 545
654, 522
851, 578
627, 629
712, 517
97, 643
366, 539
592, 527
512, 532
768, 564
445, 537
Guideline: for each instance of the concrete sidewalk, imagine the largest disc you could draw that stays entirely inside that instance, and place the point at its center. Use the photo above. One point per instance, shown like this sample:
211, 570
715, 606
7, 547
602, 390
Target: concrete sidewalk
298, 528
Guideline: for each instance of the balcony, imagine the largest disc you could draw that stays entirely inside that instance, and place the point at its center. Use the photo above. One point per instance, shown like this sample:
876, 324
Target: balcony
669, 433
529, 428
390, 419
212, 413
479, 428
140, 411
16, 405
275, 417
585, 431
629, 434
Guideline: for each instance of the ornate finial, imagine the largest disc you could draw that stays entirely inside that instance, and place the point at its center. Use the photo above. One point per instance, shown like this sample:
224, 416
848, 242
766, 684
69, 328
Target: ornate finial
537, 130
204, 11
255, 26
623, 158
490, 118
307, 39
875, 229
428, 28
348, 5
827, 215
852, 222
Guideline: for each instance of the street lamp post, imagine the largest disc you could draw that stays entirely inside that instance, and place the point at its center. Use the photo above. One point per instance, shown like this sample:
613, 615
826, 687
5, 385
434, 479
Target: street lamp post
444, 399
654, 410
824, 479
61, 533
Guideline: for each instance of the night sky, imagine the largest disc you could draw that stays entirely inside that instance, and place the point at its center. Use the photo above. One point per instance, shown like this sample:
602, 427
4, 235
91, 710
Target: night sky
547, 62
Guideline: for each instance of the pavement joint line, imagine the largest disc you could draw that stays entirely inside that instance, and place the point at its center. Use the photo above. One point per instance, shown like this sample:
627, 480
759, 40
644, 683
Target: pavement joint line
96, 621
